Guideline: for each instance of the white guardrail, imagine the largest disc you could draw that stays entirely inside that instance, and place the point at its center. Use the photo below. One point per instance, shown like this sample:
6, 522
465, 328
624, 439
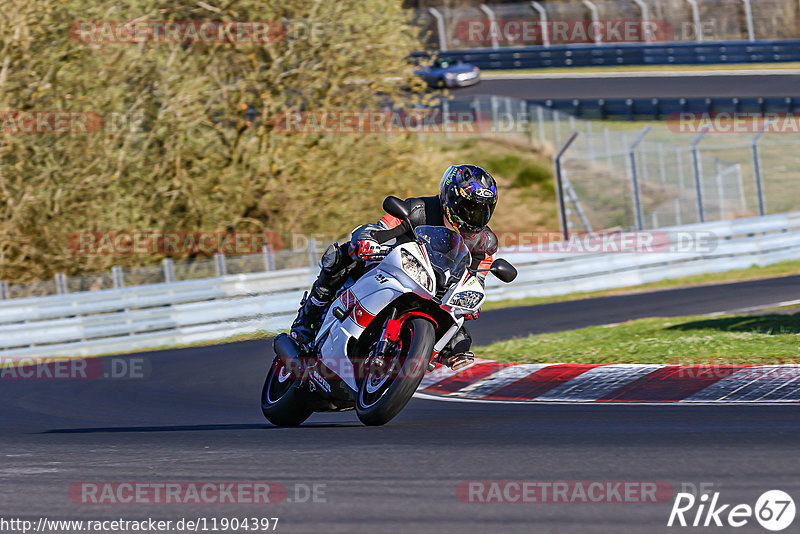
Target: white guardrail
130, 318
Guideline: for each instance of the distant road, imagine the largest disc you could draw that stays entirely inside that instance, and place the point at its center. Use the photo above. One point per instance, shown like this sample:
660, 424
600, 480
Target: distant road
639, 85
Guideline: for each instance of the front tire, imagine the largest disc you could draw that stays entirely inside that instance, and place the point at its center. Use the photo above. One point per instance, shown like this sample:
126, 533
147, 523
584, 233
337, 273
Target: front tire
280, 403
381, 396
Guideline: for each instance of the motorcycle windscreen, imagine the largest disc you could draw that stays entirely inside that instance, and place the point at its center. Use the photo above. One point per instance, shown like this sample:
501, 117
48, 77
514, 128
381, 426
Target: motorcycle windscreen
446, 248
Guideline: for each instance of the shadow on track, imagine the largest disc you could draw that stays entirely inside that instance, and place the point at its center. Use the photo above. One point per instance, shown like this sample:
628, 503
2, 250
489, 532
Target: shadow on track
191, 428
770, 324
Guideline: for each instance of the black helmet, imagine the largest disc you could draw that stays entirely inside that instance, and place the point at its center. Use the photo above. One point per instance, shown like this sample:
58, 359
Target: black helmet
468, 195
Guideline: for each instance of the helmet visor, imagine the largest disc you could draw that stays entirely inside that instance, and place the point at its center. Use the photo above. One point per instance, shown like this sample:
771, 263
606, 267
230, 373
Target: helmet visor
473, 213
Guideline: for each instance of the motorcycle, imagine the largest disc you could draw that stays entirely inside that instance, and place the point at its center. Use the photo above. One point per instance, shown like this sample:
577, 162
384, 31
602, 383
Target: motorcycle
383, 331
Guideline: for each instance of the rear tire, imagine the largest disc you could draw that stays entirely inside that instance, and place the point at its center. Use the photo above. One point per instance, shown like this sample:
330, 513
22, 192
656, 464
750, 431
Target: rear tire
381, 406
280, 403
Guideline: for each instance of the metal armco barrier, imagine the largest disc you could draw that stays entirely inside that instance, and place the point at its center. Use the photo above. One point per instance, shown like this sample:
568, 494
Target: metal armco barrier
130, 318
681, 53
663, 108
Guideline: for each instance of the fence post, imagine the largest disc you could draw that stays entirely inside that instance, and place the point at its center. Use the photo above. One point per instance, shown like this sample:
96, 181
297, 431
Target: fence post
697, 170
439, 27
540, 119
219, 264
490, 14
446, 118
168, 266
590, 140
313, 259
757, 174
696, 18
3, 290
61, 284
562, 210
607, 142
742, 198
569, 192
269, 260
637, 202
748, 16
542, 22
557, 125
526, 113
116, 277
645, 16
661, 169
595, 19
720, 190
476, 104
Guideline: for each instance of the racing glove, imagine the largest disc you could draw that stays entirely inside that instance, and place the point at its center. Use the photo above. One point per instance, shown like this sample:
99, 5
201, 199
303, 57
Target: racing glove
364, 249
472, 316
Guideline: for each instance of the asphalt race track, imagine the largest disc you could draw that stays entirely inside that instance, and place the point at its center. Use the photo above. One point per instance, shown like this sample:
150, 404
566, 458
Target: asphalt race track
650, 86
195, 417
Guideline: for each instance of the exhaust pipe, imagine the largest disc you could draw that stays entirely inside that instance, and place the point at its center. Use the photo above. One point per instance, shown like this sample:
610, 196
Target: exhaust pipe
287, 350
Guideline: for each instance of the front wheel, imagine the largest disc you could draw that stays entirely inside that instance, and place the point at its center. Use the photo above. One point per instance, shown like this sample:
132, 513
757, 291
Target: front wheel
388, 385
280, 403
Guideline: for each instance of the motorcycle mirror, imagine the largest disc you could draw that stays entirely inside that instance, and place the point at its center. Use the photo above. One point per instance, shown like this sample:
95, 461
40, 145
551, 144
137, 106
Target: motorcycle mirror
503, 270
397, 208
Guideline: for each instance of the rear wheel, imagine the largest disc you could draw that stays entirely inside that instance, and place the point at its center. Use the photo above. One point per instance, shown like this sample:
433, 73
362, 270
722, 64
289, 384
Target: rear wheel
280, 402
388, 385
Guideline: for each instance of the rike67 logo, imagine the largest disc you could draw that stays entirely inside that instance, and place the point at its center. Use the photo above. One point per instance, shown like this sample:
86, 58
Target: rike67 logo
774, 510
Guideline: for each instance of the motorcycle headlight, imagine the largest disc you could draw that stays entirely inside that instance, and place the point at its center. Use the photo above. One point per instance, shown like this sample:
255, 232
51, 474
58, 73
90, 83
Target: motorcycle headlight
416, 271
466, 299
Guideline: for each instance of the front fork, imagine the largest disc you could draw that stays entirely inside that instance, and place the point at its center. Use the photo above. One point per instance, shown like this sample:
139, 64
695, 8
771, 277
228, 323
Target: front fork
391, 333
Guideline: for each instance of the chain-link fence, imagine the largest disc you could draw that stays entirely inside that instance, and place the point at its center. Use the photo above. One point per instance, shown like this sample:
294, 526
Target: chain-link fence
570, 21
623, 176
669, 178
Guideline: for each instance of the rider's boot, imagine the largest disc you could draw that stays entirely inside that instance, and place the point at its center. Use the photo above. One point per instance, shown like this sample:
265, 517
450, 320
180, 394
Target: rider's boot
308, 320
459, 361
334, 270
456, 354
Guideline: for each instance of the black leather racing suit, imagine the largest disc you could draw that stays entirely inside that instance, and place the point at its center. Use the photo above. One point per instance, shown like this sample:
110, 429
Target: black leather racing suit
337, 264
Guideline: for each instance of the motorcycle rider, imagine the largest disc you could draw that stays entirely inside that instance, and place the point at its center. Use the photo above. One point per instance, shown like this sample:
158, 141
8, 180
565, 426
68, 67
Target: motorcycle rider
465, 203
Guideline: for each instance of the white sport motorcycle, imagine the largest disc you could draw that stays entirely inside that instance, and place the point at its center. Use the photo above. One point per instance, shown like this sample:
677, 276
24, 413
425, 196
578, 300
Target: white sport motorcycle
383, 331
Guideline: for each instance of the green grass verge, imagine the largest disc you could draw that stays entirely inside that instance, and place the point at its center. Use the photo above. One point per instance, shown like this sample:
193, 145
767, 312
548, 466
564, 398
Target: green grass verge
785, 268
735, 339
652, 68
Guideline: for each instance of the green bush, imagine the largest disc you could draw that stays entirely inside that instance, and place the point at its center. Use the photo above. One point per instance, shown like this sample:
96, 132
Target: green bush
200, 161
534, 173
